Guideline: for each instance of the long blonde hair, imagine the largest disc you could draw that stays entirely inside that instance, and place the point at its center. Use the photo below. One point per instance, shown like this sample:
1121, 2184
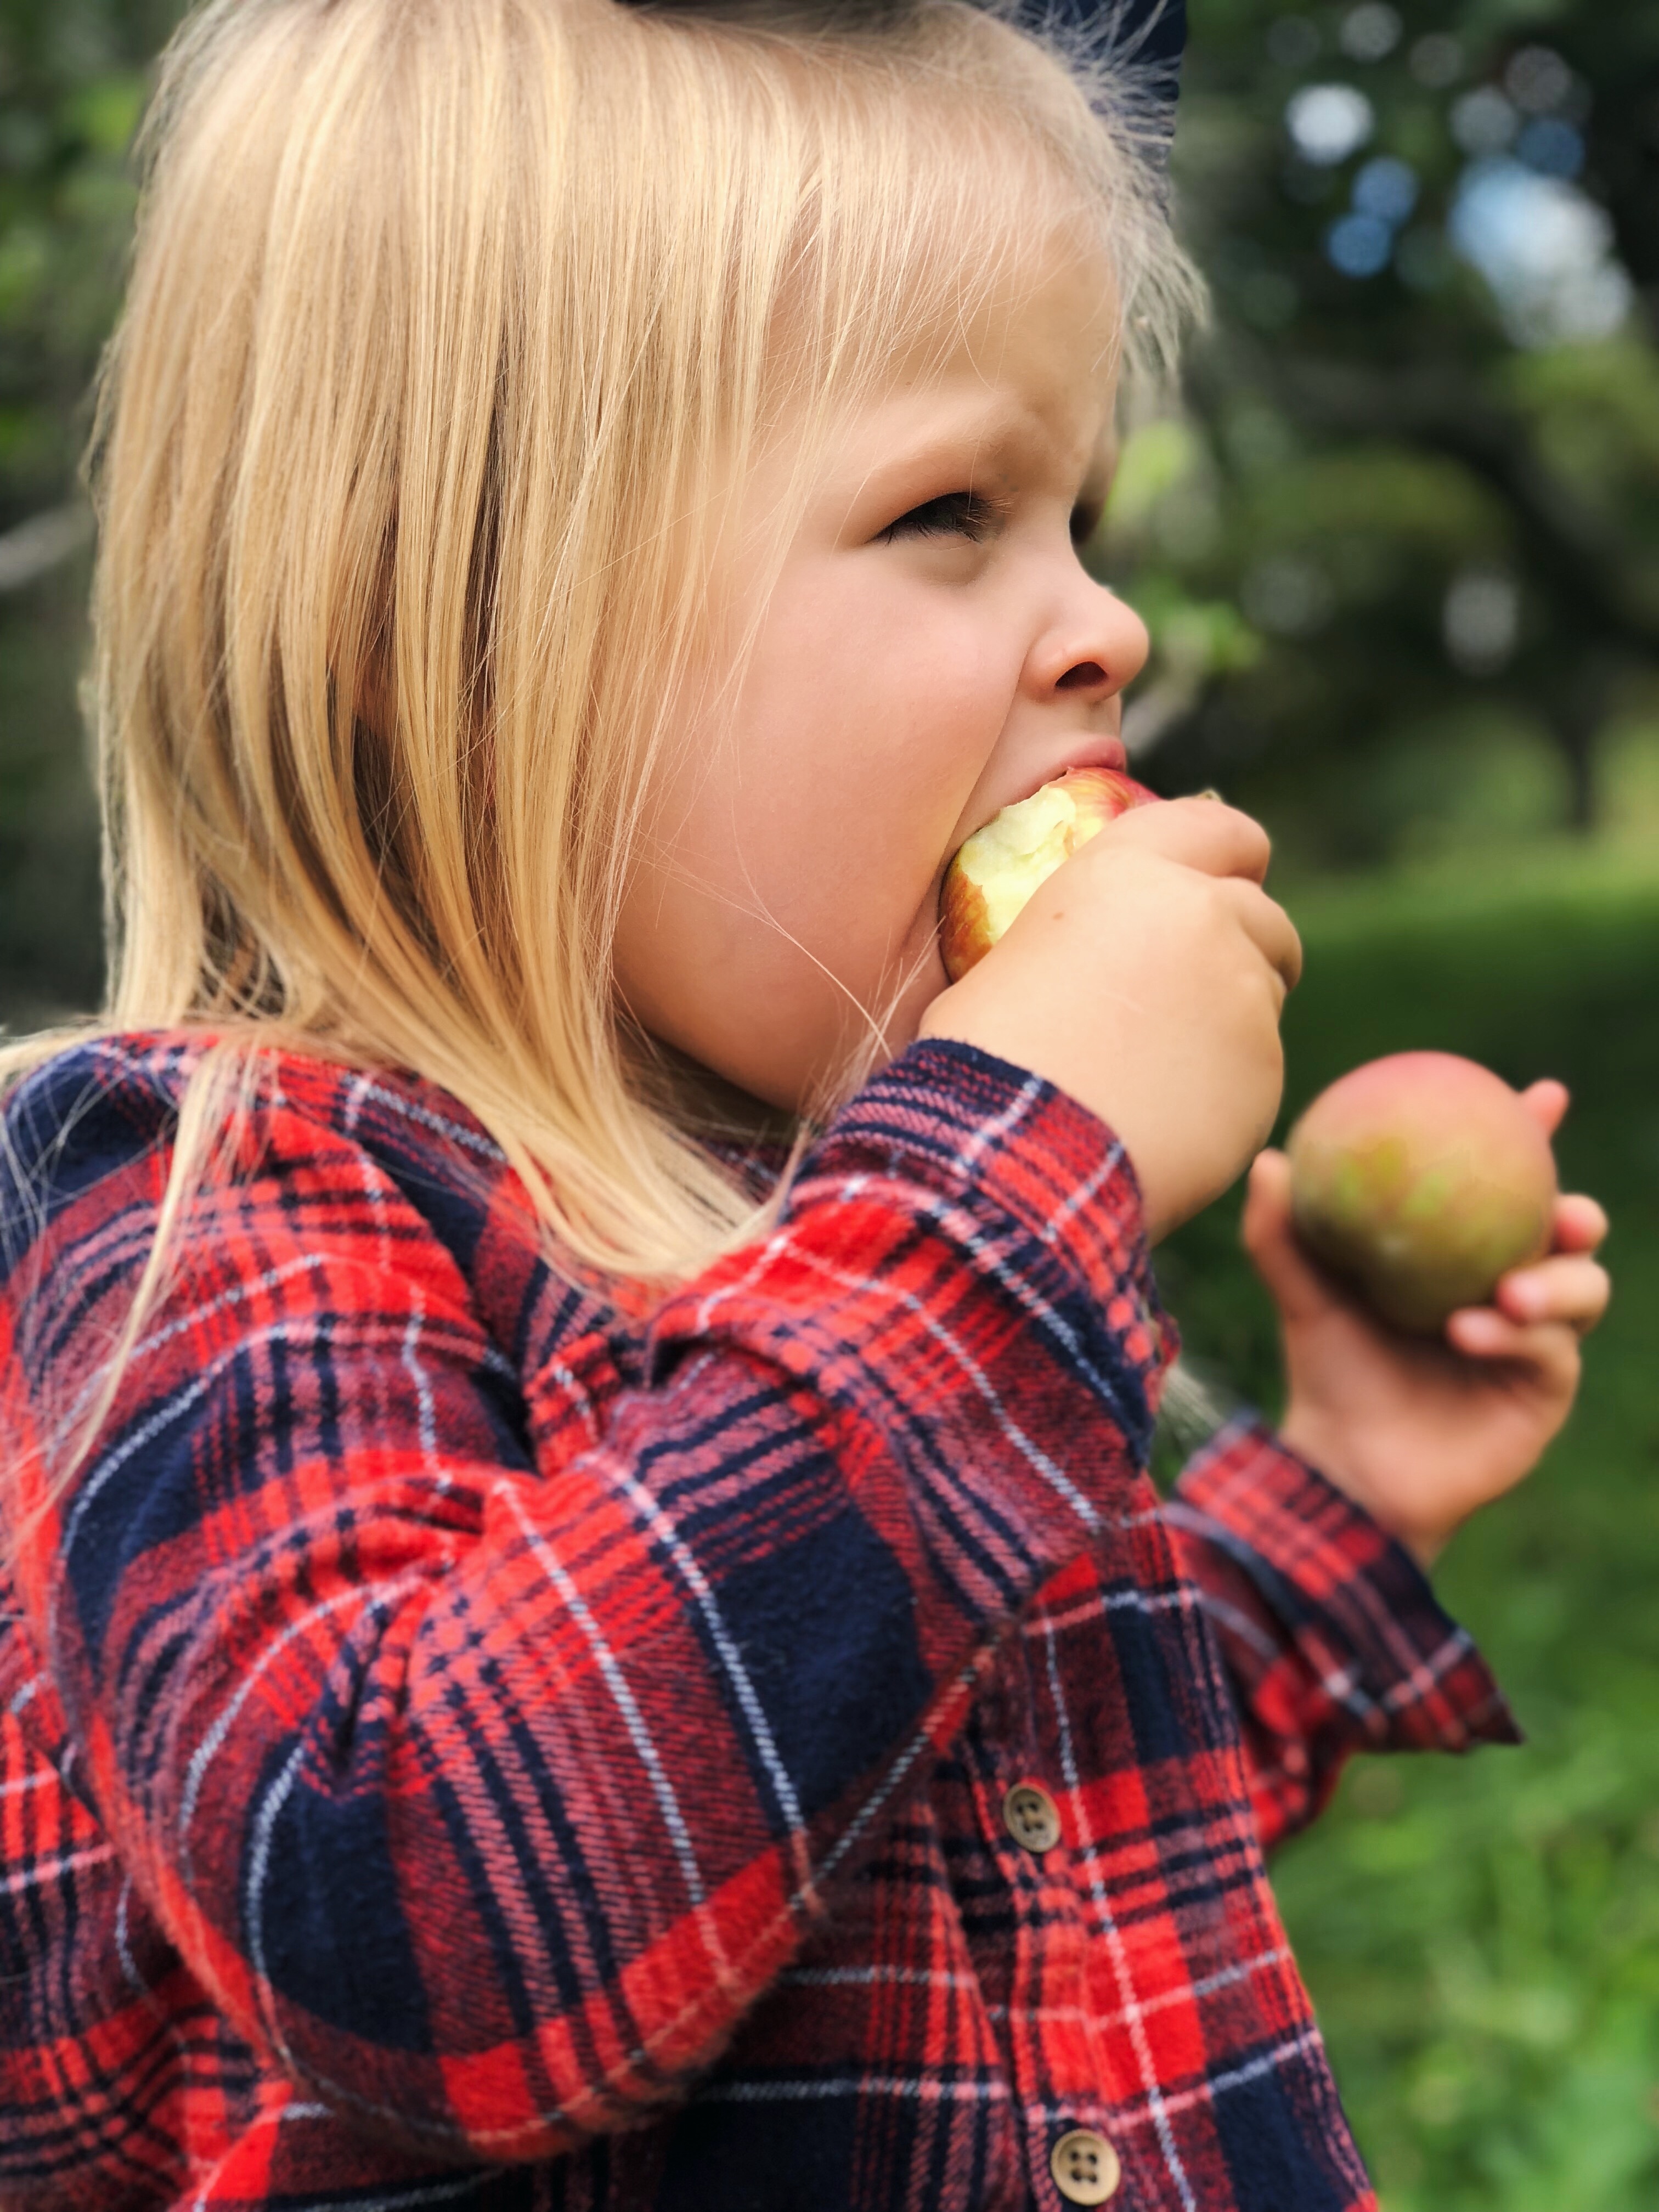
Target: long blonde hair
451, 326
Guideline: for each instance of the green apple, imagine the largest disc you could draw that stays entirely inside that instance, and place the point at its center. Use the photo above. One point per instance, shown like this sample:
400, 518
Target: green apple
1422, 1178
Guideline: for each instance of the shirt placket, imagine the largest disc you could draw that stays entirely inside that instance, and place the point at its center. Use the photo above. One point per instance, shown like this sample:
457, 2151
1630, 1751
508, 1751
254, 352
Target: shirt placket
1016, 1755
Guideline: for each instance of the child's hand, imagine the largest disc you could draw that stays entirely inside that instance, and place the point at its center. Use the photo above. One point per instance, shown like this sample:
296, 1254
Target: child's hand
1419, 1431
1146, 978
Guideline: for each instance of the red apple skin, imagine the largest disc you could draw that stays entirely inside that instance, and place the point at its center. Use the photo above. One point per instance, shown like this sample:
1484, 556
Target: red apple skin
1422, 1178
968, 928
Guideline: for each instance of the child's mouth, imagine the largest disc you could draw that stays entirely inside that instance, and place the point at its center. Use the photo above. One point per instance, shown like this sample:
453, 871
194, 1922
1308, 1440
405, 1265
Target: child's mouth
996, 870
1106, 750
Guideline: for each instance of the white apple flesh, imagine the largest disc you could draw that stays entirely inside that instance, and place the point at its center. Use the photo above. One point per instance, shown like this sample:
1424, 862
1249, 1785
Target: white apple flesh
999, 866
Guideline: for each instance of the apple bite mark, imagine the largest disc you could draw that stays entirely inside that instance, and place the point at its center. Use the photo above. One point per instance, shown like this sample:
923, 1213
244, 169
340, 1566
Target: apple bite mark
999, 867
1422, 1178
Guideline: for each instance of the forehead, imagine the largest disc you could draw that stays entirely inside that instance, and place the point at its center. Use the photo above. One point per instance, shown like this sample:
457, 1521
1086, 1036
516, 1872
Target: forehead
1049, 318
1029, 375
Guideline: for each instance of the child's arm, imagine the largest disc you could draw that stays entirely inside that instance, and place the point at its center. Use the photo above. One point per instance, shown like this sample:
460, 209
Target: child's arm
1314, 1580
1333, 1640
485, 1735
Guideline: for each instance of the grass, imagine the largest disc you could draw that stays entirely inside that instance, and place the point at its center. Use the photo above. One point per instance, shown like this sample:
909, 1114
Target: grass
1481, 1936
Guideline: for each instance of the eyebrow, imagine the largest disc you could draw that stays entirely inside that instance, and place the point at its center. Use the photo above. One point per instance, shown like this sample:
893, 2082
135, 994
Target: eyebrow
1003, 432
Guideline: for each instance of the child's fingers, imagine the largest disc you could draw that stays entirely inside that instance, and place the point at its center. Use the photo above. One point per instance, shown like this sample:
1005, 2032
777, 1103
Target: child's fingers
1550, 1349
1549, 1101
1570, 1288
1297, 1287
1269, 929
1579, 1225
1198, 834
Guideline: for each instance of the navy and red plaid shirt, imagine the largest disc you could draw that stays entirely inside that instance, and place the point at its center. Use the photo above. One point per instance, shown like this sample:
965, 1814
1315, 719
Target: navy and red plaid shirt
464, 1745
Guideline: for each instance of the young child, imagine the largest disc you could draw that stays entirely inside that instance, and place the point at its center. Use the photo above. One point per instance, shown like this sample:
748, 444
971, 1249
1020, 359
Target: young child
587, 1626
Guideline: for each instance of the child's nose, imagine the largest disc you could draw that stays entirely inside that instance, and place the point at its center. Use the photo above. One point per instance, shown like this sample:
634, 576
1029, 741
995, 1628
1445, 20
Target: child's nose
1103, 648
1087, 676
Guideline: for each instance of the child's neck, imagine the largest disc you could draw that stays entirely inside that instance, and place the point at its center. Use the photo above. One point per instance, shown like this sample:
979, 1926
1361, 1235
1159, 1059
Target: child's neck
704, 1105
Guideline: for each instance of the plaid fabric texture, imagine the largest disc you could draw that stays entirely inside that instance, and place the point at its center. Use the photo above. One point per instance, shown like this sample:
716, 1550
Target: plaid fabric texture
462, 1744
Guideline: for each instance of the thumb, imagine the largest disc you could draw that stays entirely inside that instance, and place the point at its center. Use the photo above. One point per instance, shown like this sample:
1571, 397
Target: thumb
1548, 1101
1298, 1288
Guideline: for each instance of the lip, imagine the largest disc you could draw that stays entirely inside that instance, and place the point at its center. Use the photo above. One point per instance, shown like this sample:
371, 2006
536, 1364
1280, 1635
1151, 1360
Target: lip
1101, 751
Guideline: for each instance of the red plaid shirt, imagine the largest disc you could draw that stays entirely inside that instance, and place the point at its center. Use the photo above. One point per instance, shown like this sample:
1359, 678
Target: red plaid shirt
461, 1745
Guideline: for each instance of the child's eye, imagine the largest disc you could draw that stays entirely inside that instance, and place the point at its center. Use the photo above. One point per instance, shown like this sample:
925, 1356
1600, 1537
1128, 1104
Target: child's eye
958, 515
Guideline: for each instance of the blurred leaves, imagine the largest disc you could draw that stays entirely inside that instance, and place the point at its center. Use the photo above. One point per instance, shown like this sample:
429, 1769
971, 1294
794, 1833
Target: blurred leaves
72, 81
1421, 458
73, 76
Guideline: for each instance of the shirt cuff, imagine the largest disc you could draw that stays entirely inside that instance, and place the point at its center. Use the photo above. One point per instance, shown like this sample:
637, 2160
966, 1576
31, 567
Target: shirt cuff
1346, 1593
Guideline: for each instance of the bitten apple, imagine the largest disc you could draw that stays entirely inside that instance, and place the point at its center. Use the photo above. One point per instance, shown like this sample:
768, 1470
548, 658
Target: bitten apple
1422, 1178
1000, 866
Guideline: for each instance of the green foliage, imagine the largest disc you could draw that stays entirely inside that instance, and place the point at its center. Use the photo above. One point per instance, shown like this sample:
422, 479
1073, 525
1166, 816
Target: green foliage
1482, 1936
72, 81
1431, 493
73, 75
50, 958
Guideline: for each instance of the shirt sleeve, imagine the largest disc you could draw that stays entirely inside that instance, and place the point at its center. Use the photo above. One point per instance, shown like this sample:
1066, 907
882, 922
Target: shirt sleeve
486, 1755
1332, 1638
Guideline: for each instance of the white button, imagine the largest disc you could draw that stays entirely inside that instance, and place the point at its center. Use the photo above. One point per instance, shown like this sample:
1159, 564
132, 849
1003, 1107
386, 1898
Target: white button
1031, 1817
1085, 2167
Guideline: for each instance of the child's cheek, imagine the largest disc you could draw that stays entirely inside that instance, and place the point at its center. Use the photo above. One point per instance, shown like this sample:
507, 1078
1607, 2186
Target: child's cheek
868, 783
918, 742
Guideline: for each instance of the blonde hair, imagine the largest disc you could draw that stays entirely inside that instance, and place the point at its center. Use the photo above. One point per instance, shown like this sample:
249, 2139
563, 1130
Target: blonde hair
451, 326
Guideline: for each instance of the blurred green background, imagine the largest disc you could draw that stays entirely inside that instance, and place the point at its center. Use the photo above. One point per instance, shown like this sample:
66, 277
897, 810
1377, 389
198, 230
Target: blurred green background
1401, 559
